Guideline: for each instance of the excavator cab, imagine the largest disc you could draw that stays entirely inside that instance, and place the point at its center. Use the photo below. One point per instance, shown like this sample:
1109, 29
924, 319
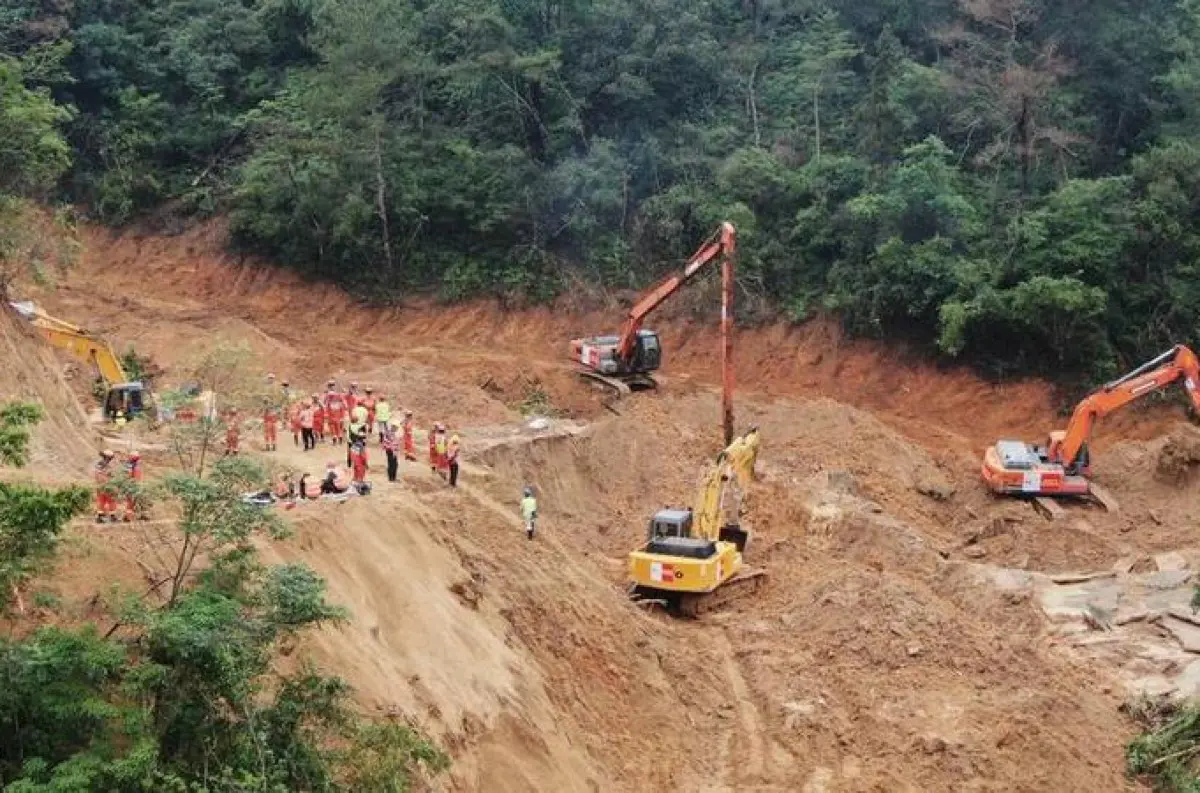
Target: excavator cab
128, 399
670, 533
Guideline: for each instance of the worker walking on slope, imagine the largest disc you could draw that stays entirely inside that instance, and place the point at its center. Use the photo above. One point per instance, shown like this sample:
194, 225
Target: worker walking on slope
270, 425
452, 450
410, 443
383, 415
133, 471
233, 434
106, 497
529, 512
389, 439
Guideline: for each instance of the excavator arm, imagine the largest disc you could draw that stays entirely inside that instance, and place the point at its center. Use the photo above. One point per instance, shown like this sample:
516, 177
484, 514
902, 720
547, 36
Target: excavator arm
1179, 363
76, 341
735, 462
721, 245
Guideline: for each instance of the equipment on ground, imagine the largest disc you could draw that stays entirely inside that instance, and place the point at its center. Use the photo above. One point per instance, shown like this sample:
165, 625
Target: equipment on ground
1062, 467
626, 361
692, 559
122, 397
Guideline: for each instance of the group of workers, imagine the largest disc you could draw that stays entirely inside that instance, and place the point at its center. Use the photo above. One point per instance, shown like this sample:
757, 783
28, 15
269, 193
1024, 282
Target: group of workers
109, 473
334, 416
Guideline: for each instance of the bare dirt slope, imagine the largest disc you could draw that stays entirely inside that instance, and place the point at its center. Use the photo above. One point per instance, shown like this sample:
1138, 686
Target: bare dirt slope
877, 658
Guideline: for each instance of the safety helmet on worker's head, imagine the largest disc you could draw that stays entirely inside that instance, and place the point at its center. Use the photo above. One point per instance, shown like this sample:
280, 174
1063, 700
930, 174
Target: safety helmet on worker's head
331, 382
440, 426
528, 490
108, 454
394, 423
135, 455
368, 389
408, 412
354, 384
270, 375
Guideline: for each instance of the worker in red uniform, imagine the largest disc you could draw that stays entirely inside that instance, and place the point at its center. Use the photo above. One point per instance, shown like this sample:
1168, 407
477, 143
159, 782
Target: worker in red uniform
358, 462
233, 433
335, 415
441, 450
352, 396
410, 443
106, 497
369, 402
133, 470
433, 459
294, 420
270, 425
307, 431
318, 425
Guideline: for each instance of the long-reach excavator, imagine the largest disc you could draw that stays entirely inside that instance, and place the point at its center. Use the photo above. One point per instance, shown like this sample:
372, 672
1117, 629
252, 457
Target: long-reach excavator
627, 361
1062, 467
121, 396
692, 558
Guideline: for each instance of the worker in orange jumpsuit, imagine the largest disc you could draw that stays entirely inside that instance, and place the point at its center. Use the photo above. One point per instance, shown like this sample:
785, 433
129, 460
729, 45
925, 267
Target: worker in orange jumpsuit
232, 434
410, 444
369, 401
352, 396
335, 415
318, 423
433, 458
294, 421
106, 497
133, 470
270, 425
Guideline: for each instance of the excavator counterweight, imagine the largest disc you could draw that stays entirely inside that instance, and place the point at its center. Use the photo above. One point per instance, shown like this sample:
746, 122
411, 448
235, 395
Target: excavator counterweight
1063, 465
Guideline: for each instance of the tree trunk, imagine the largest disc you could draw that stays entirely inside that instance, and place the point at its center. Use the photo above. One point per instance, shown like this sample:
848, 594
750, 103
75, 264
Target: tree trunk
817, 120
381, 202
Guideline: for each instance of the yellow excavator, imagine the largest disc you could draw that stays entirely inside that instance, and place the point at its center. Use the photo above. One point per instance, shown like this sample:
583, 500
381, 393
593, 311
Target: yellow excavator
692, 559
122, 397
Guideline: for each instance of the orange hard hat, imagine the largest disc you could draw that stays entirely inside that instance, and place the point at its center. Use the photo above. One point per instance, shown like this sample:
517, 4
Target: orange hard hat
135, 455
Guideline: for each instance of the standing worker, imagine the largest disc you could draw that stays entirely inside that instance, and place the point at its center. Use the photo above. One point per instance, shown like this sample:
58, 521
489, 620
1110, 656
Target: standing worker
335, 413
318, 419
294, 410
106, 499
529, 511
410, 444
232, 434
452, 459
352, 396
390, 441
358, 465
306, 424
133, 470
270, 425
383, 415
370, 403
358, 429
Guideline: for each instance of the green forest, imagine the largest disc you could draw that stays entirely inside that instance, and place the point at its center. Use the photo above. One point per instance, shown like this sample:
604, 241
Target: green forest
1011, 183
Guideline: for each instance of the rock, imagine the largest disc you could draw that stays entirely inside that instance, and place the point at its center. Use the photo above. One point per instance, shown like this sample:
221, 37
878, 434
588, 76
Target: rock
1167, 579
796, 714
930, 483
914, 650
975, 552
1170, 561
538, 423
931, 744
1187, 634
1155, 516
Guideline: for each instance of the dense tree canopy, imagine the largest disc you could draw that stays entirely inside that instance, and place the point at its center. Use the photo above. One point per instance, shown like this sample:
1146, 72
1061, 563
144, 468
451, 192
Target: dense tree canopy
1009, 181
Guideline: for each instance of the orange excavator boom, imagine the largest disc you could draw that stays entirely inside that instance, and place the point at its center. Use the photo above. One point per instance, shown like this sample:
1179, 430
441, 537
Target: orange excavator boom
721, 245
1178, 363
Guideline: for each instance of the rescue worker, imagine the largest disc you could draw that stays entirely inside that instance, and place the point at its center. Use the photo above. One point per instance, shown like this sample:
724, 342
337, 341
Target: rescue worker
133, 470
335, 414
285, 393
318, 419
270, 425
441, 448
452, 450
410, 443
529, 512
106, 499
332, 483
306, 424
232, 434
369, 402
352, 396
285, 486
358, 463
383, 416
358, 429
294, 411
389, 439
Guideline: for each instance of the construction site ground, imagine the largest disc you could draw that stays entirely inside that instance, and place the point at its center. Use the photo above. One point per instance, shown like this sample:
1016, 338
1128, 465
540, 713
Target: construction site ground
916, 634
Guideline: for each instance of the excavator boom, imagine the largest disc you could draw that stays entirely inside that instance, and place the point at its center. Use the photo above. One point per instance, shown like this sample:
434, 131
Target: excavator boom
1062, 466
721, 245
75, 340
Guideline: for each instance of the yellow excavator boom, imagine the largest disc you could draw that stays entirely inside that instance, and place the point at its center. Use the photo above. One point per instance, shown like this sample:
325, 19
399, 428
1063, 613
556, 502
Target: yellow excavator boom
735, 462
77, 341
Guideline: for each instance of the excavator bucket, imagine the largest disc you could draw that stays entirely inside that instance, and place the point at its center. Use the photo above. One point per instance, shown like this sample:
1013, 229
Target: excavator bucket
734, 533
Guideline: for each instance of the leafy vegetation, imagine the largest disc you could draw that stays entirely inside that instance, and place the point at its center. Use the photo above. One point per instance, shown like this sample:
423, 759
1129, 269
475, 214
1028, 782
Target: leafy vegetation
1011, 182
1166, 753
182, 693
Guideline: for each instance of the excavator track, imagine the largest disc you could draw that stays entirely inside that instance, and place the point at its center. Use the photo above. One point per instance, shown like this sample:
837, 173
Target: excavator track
621, 387
745, 583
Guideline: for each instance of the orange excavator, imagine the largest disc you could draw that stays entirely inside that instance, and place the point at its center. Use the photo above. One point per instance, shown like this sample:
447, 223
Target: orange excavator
1062, 467
626, 362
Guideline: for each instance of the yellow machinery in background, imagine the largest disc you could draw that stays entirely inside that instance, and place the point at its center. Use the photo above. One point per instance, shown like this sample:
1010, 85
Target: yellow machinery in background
692, 558
122, 397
